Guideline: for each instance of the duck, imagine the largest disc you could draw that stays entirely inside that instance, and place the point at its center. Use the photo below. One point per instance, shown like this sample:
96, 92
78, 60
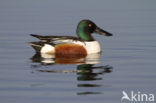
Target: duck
69, 46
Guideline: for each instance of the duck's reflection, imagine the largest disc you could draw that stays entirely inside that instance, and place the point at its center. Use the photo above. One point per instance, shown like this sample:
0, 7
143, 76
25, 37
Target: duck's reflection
86, 69
86, 72
46, 59
89, 72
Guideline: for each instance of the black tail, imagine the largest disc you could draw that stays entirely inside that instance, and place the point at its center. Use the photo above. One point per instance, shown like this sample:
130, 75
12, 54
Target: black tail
37, 45
37, 36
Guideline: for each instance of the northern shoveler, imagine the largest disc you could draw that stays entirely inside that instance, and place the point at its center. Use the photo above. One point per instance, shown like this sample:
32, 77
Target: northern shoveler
65, 46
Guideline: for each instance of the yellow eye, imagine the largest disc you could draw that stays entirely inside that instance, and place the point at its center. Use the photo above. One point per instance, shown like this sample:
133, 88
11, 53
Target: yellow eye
90, 25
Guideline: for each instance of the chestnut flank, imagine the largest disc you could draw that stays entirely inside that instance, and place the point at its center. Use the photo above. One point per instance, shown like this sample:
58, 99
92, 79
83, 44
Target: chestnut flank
70, 51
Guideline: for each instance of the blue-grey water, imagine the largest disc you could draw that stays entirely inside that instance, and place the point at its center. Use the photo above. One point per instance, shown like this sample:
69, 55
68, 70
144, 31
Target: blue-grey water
127, 62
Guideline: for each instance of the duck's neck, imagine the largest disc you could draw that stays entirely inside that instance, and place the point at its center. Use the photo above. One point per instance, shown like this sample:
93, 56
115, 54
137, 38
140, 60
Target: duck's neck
84, 34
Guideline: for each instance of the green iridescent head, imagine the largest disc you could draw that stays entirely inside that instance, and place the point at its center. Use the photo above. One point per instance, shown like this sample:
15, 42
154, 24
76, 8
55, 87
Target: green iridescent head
86, 27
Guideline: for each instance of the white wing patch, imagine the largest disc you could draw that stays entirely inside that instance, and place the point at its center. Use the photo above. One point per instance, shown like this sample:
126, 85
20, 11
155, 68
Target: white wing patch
68, 41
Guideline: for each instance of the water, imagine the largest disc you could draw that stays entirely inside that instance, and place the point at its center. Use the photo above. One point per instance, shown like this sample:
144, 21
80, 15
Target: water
127, 61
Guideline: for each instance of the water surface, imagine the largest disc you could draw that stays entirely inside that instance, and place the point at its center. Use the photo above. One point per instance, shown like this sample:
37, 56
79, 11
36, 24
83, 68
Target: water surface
127, 61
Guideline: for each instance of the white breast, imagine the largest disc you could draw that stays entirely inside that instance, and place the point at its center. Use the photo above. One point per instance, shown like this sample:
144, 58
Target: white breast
92, 47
